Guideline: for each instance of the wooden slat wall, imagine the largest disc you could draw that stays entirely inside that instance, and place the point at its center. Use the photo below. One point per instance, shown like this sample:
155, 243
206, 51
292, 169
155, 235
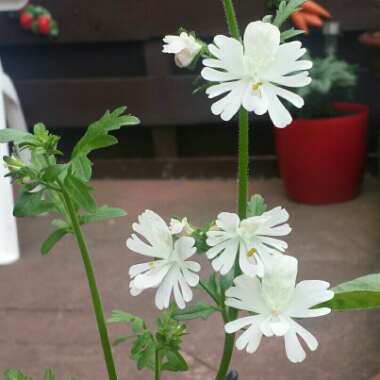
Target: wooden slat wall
109, 53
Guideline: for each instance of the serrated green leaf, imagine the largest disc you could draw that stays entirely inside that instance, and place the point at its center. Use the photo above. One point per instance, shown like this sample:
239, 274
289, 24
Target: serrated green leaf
102, 213
49, 375
175, 362
97, 137
361, 293
32, 204
256, 206
80, 193
199, 310
285, 9
14, 135
52, 240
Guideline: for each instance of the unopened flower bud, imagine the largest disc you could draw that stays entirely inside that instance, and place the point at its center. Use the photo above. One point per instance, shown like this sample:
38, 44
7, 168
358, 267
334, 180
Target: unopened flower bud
184, 47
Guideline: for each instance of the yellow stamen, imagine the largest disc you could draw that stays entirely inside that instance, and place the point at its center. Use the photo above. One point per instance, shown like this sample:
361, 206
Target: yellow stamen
256, 86
276, 312
251, 252
151, 264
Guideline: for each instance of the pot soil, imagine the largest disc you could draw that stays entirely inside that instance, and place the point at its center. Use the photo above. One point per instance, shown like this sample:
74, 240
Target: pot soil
321, 160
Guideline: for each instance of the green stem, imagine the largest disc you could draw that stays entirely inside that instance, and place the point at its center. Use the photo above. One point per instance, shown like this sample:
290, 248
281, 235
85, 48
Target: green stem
229, 339
157, 365
243, 162
97, 303
229, 11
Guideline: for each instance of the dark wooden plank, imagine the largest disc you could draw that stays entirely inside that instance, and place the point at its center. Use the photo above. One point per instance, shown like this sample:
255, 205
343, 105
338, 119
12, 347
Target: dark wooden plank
207, 167
122, 20
72, 103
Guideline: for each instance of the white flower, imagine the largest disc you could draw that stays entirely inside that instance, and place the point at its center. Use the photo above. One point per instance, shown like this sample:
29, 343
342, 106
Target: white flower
180, 227
170, 271
250, 237
253, 71
276, 300
184, 47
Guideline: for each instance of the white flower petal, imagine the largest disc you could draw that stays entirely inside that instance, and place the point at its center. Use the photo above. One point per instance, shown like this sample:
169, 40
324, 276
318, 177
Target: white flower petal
192, 265
152, 278
250, 339
255, 100
298, 80
178, 297
279, 115
291, 97
219, 89
261, 41
184, 247
162, 298
309, 338
228, 221
237, 324
293, 348
217, 76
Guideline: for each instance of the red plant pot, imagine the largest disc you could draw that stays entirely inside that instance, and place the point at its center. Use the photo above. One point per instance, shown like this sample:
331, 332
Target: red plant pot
321, 160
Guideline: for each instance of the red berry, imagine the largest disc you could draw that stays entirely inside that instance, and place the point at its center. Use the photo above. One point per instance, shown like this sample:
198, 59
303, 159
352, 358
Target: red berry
44, 24
26, 20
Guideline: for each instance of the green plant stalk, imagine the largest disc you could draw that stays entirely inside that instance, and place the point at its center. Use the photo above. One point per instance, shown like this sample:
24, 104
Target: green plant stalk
97, 303
229, 339
157, 365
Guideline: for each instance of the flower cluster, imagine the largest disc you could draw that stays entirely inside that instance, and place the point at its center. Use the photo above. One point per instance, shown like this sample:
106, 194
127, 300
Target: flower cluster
250, 74
266, 289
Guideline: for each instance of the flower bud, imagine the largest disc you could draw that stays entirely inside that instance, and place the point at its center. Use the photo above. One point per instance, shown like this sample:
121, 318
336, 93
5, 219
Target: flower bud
184, 47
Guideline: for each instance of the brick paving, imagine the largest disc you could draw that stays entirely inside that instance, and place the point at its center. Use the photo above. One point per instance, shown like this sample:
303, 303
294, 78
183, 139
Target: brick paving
45, 310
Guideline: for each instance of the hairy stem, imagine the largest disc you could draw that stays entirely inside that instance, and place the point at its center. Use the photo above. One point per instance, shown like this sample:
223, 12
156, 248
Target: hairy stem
97, 303
229, 339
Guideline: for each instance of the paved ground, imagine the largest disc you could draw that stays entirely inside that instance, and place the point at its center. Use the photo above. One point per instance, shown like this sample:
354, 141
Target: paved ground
45, 312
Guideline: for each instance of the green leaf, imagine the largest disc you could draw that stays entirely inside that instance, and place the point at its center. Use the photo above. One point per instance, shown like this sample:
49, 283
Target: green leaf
14, 135
175, 362
14, 374
256, 206
52, 240
199, 310
291, 33
211, 286
361, 293
49, 375
120, 340
96, 137
80, 193
285, 9
32, 204
51, 173
102, 213
227, 280
82, 167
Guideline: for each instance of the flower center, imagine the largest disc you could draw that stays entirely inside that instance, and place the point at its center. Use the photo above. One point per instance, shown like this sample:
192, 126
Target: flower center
251, 252
247, 230
256, 86
276, 312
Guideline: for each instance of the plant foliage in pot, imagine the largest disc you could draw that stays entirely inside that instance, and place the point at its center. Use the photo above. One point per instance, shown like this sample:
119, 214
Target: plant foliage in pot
321, 154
